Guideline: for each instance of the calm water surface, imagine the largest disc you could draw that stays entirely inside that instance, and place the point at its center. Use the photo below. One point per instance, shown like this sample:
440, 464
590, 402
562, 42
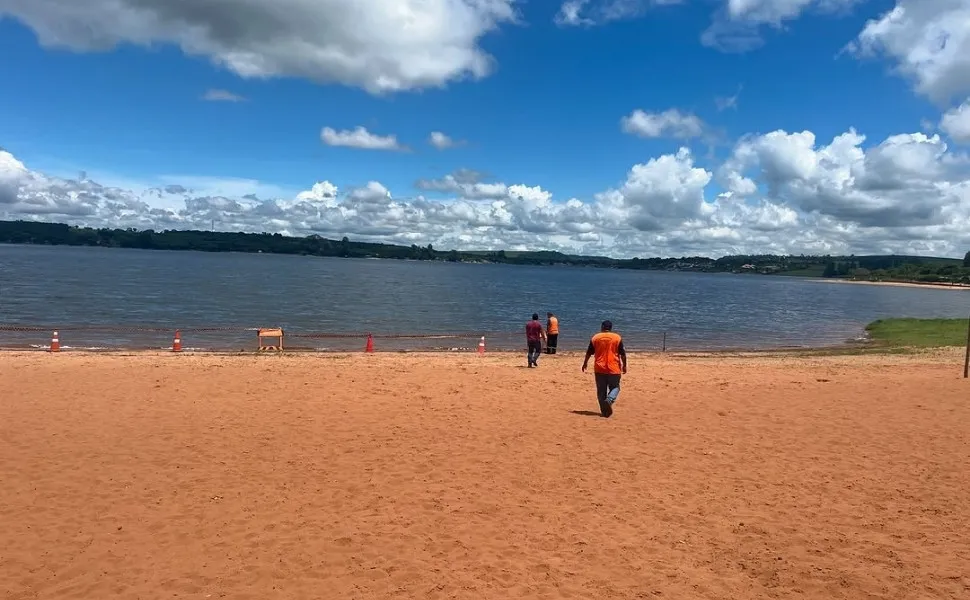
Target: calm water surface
66, 288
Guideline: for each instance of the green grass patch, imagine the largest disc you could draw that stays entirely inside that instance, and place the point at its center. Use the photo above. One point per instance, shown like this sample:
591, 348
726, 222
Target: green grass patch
920, 333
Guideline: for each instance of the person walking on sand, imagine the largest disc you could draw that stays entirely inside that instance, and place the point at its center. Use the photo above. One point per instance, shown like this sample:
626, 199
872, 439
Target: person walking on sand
552, 333
533, 337
610, 364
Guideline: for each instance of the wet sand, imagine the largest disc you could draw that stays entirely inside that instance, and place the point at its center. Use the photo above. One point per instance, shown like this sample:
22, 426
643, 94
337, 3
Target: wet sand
453, 476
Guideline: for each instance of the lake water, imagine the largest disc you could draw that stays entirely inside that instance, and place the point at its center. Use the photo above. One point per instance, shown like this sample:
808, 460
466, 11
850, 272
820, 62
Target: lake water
99, 297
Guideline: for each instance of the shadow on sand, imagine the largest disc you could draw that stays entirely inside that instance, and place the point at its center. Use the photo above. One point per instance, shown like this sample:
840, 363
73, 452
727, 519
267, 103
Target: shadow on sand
586, 413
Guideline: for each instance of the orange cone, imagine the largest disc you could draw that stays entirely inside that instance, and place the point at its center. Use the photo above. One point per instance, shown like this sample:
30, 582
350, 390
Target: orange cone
55, 343
370, 343
177, 342
481, 345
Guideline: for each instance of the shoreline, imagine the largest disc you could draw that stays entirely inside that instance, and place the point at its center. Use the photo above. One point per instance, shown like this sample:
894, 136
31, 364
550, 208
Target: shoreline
490, 357
910, 284
848, 346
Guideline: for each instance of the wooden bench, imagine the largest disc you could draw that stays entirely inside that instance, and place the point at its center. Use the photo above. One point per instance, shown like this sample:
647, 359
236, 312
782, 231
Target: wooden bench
270, 333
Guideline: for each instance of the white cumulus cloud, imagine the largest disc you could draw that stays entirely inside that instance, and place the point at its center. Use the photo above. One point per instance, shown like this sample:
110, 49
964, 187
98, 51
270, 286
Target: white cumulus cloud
359, 138
928, 41
669, 123
378, 45
778, 192
907, 182
956, 123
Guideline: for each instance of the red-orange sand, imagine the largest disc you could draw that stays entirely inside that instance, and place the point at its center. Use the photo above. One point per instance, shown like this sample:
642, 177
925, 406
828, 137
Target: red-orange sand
451, 476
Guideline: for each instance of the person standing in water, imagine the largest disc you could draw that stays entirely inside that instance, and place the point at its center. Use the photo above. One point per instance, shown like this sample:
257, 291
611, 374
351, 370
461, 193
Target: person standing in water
608, 367
533, 337
552, 333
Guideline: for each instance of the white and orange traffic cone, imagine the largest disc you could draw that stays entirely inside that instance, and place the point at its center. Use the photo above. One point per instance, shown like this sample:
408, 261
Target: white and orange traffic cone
177, 342
481, 346
55, 343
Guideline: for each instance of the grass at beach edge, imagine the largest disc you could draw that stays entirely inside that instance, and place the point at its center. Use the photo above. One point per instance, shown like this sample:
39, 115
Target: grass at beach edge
918, 333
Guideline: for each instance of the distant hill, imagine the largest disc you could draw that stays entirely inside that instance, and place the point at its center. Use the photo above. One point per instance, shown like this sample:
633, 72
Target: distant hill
879, 268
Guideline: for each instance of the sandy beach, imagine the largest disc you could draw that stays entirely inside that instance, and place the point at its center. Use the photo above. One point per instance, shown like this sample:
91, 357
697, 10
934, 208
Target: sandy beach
455, 476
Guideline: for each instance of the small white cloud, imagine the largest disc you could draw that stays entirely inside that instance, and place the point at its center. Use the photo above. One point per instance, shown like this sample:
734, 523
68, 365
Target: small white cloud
956, 123
372, 193
735, 27
466, 184
669, 123
570, 14
775, 12
222, 96
360, 138
598, 12
737, 24
725, 102
442, 142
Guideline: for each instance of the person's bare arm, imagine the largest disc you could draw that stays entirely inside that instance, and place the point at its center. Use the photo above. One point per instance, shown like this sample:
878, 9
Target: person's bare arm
589, 352
622, 352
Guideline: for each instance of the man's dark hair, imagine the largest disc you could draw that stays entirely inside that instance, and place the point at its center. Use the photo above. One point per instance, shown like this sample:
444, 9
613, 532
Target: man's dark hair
535, 316
549, 314
607, 325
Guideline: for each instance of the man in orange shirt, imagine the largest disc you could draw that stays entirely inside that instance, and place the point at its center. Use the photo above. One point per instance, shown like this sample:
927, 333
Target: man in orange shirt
609, 365
552, 333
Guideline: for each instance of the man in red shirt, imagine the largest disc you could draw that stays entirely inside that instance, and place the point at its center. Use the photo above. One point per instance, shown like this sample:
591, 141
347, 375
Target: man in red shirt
609, 365
533, 336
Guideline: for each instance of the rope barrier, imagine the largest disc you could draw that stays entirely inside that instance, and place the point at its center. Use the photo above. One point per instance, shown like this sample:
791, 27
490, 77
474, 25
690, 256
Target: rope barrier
306, 335
117, 328
394, 336
674, 339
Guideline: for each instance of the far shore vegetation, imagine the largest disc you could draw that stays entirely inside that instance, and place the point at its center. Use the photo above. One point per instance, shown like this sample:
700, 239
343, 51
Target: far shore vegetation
918, 333
886, 268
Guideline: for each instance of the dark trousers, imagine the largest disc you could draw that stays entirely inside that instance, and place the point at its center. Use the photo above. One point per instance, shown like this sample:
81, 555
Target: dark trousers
604, 385
551, 341
535, 349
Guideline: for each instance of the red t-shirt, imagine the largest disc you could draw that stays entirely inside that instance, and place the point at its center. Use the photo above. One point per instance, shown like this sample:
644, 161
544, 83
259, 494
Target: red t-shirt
533, 331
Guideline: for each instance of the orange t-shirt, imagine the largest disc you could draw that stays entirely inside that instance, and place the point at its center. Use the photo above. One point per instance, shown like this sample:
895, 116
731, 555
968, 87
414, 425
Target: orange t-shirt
607, 348
553, 327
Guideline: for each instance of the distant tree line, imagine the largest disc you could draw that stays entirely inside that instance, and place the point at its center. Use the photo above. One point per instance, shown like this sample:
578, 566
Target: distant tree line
899, 268
879, 267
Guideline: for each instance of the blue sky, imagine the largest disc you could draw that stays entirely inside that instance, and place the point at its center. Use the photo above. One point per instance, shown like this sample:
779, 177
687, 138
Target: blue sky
547, 115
